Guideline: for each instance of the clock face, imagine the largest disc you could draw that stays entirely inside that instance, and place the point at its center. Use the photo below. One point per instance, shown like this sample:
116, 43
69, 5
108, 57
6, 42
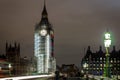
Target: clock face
43, 32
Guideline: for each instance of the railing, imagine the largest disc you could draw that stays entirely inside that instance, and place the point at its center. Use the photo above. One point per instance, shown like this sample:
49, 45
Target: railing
28, 77
74, 78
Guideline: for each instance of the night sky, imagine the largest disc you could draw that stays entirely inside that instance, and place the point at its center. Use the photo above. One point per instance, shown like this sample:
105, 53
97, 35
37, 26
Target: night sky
77, 24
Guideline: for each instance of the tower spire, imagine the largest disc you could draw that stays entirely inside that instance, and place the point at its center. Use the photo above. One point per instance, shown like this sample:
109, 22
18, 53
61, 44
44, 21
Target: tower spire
44, 12
44, 2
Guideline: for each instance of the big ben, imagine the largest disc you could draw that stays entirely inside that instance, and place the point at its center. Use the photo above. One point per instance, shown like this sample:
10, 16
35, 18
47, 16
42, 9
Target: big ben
44, 44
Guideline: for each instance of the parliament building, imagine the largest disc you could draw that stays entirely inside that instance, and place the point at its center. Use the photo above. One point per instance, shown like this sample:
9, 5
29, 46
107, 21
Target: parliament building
94, 63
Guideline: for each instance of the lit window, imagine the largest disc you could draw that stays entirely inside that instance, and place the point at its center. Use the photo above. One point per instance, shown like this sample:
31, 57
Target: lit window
111, 61
101, 65
104, 64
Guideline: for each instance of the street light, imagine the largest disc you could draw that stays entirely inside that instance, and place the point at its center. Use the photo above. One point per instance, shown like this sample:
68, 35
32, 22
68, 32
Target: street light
107, 43
10, 66
85, 65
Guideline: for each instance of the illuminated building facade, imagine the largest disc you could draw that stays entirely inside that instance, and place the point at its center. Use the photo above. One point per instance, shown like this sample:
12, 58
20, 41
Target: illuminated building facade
93, 63
44, 45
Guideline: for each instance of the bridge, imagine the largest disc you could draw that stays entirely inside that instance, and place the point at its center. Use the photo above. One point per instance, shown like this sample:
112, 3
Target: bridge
28, 77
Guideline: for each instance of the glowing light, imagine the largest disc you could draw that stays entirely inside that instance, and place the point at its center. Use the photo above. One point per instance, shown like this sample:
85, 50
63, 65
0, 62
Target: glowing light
43, 48
36, 47
42, 51
85, 65
28, 77
39, 53
107, 36
40, 64
47, 53
43, 32
107, 41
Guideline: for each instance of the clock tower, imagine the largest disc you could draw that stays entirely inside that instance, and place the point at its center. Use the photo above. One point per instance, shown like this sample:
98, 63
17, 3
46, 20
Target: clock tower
44, 45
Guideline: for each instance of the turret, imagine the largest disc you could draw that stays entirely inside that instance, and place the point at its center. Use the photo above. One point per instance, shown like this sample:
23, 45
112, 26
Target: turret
44, 19
100, 50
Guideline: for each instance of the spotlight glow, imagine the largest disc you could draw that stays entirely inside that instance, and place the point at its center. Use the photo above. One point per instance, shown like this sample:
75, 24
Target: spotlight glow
28, 77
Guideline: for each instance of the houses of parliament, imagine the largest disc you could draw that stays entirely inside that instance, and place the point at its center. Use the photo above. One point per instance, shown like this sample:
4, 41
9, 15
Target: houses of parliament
94, 63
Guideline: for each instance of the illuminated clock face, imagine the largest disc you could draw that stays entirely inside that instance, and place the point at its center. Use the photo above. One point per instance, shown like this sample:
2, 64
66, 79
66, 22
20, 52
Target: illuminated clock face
43, 32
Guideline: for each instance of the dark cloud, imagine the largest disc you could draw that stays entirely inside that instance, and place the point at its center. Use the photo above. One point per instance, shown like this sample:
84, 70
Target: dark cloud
77, 24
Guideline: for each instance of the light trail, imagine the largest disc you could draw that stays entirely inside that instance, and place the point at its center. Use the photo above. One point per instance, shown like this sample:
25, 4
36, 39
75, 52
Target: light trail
27, 77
